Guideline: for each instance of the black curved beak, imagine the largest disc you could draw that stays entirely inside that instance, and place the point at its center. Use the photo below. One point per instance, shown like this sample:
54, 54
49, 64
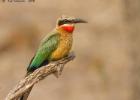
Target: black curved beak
78, 20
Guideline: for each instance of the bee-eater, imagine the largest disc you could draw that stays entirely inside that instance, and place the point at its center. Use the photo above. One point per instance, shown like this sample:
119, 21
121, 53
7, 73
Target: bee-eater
54, 46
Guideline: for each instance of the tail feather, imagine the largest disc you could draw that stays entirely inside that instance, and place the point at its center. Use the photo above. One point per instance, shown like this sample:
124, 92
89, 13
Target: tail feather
32, 67
29, 71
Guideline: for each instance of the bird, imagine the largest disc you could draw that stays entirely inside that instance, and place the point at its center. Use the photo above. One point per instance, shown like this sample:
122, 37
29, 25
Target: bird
56, 44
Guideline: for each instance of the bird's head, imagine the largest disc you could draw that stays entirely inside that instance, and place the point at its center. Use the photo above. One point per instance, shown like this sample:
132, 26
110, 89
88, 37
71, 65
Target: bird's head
67, 23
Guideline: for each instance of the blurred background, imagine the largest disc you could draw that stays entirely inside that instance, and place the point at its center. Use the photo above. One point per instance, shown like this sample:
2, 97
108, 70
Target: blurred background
107, 64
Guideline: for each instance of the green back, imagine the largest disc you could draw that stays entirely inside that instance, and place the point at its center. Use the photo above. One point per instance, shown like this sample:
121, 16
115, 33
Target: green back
46, 48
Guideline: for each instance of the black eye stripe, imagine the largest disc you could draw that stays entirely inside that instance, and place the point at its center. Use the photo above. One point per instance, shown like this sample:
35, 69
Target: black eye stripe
63, 21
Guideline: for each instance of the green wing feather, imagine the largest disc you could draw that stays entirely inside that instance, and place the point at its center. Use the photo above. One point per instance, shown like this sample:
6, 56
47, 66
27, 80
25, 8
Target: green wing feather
46, 48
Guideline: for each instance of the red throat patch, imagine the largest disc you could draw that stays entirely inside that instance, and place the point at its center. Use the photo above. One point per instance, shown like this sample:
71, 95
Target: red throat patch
68, 28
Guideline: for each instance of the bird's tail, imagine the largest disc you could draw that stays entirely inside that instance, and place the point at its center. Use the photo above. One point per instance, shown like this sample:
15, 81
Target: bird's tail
29, 71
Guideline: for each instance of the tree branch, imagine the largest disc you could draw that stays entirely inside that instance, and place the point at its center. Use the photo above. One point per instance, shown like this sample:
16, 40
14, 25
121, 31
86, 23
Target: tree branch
28, 82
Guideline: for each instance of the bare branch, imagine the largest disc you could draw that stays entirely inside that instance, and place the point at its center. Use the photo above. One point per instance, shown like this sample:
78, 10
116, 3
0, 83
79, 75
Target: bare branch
28, 82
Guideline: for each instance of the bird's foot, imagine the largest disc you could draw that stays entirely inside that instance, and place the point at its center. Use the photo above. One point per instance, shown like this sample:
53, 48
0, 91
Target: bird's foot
58, 71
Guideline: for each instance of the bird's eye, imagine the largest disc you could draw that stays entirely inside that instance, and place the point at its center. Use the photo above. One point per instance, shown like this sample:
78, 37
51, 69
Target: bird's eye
65, 20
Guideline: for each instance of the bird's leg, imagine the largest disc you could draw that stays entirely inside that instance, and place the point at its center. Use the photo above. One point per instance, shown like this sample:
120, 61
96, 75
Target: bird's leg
59, 71
61, 66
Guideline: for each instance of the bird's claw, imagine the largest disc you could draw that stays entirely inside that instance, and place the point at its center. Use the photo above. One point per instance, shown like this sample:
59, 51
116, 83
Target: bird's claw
58, 71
